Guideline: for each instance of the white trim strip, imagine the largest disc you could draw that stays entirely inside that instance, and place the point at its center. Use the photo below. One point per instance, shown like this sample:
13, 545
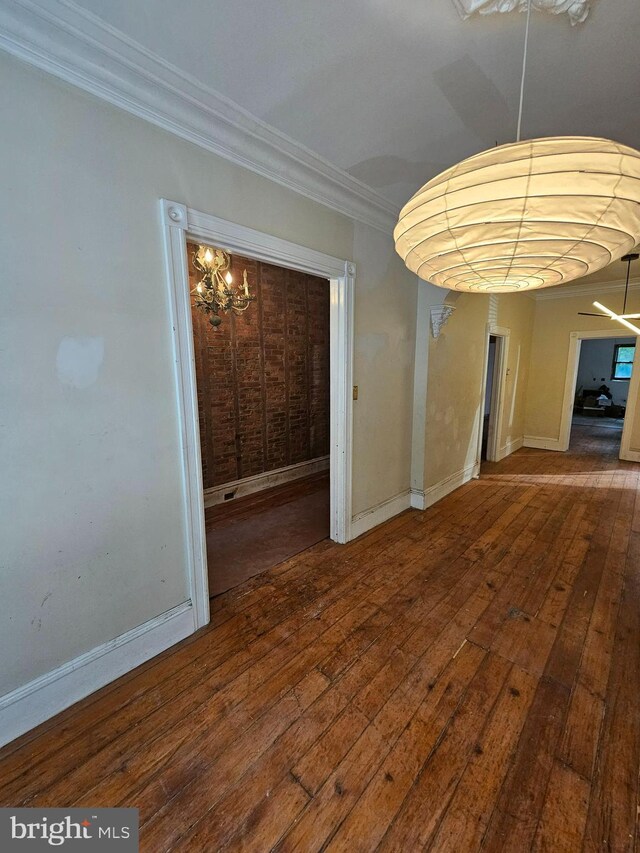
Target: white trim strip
385, 510
48, 695
440, 490
174, 219
417, 499
236, 238
569, 291
510, 447
542, 443
266, 480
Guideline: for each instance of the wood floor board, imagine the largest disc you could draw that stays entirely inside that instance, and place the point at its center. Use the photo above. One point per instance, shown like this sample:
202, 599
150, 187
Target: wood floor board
400, 775
461, 678
579, 743
210, 660
346, 783
564, 814
215, 724
612, 821
396, 595
514, 820
465, 821
440, 761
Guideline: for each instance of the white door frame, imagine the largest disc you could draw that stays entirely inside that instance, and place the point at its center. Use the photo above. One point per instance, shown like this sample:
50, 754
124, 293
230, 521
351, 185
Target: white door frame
573, 361
179, 224
496, 415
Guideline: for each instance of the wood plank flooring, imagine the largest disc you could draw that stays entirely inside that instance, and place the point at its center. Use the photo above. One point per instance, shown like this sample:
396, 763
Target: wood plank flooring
248, 535
461, 679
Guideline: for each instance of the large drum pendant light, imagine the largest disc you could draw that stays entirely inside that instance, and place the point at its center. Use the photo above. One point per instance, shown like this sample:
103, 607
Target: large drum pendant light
525, 215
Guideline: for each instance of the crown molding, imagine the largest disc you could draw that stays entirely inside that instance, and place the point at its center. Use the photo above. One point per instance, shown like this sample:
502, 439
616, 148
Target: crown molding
75, 45
569, 291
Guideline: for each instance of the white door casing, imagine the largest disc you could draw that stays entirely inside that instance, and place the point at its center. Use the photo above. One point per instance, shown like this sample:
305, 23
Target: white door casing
496, 416
573, 361
180, 224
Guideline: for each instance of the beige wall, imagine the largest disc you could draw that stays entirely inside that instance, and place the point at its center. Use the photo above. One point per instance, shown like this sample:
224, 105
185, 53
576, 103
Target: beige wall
555, 320
454, 389
454, 399
516, 312
92, 524
385, 324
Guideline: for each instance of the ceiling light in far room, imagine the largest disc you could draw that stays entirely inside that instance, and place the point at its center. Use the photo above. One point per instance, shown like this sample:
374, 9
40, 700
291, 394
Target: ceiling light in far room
215, 291
611, 315
525, 215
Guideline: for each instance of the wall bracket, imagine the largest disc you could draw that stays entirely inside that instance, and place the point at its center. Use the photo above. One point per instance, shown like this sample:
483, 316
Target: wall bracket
439, 316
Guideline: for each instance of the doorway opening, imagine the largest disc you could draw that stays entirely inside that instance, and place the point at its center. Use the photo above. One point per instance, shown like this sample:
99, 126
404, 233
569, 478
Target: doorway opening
603, 377
182, 224
492, 404
487, 425
263, 391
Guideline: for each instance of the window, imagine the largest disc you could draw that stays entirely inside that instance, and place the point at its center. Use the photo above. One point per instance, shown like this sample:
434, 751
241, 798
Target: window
622, 361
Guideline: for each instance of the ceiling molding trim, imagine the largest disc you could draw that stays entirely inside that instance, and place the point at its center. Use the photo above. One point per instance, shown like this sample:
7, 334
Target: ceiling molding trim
568, 291
71, 43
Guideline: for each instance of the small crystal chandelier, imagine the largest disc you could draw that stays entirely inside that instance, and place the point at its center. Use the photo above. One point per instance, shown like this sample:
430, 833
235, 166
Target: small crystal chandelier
215, 291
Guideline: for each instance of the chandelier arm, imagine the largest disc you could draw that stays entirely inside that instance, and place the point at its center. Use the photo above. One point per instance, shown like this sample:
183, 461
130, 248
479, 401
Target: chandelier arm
524, 69
618, 318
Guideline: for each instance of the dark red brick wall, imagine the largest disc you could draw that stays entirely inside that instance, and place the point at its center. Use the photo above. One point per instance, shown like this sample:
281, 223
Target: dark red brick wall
263, 376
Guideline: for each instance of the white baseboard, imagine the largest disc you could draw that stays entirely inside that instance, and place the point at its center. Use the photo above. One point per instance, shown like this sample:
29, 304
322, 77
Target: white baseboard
44, 697
630, 455
417, 499
542, 443
440, 490
365, 521
266, 480
510, 447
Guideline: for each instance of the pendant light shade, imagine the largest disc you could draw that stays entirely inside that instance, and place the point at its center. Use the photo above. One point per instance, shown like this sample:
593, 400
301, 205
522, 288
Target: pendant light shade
524, 216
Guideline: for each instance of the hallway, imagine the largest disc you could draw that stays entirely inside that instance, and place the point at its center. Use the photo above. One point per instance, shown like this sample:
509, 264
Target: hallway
460, 679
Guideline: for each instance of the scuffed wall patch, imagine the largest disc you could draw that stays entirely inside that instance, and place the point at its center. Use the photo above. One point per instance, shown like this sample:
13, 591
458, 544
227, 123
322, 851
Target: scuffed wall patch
79, 360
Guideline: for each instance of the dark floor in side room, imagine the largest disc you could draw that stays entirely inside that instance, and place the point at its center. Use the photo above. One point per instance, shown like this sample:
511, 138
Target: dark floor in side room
255, 533
599, 435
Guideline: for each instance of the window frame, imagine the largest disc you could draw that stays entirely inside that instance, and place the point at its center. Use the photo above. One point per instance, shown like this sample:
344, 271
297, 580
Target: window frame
617, 361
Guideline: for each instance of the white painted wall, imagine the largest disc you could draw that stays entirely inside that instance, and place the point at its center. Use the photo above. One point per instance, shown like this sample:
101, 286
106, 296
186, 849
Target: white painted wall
594, 368
91, 520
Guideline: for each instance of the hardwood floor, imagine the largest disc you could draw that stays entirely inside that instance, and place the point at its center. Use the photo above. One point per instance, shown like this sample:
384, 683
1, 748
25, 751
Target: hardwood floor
249, 535
460, 679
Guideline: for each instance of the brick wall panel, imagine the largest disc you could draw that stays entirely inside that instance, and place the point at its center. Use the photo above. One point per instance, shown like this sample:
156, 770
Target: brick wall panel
263, 376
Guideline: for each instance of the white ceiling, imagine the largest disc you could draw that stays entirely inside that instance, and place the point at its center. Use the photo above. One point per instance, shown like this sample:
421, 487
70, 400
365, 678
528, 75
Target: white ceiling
394, 92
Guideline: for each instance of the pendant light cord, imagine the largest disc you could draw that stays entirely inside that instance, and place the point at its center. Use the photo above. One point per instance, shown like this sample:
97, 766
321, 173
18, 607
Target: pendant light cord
524, 69
626, 287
